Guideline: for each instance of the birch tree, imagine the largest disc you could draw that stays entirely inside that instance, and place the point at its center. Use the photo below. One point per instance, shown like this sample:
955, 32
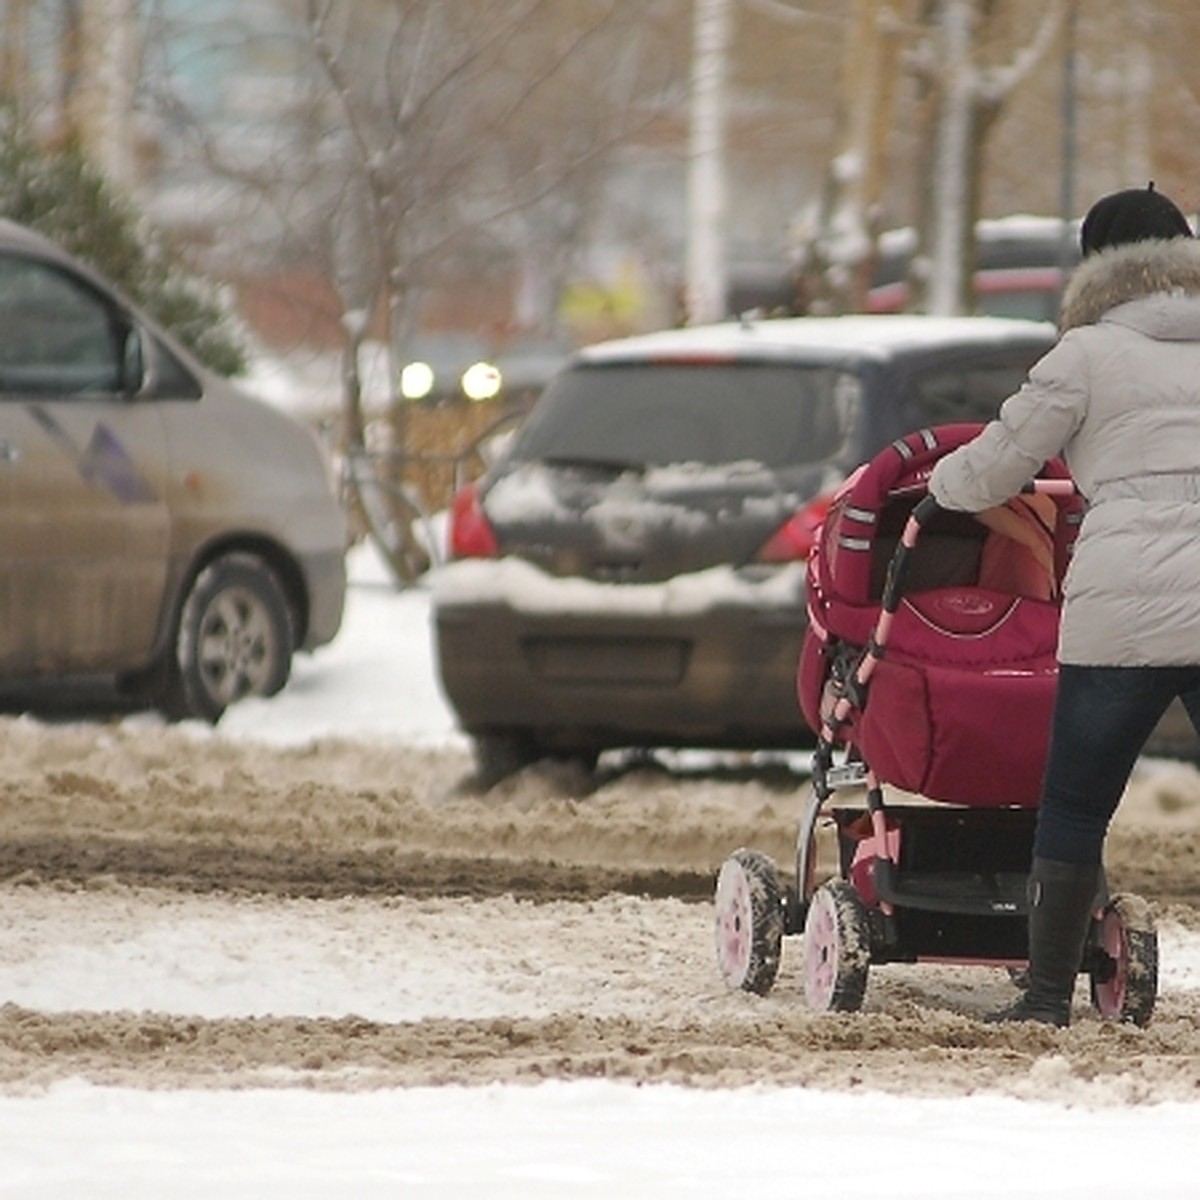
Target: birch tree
430, 110
410, 138
968, 93
965, 72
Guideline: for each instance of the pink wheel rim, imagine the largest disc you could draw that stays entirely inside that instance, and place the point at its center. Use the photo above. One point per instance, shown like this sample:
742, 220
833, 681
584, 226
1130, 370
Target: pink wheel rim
1110, 996
820, 952
734, 925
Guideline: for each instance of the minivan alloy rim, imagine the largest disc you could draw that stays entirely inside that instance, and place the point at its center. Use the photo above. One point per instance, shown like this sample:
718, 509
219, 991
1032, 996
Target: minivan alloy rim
235, 648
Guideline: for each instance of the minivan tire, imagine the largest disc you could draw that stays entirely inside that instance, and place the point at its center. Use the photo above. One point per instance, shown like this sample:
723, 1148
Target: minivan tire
235, 638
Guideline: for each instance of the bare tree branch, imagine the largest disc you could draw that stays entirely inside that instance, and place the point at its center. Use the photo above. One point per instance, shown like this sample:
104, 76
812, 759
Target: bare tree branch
996, 83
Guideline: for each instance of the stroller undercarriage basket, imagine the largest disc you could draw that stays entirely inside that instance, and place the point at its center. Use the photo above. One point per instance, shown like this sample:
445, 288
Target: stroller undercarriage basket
929, 668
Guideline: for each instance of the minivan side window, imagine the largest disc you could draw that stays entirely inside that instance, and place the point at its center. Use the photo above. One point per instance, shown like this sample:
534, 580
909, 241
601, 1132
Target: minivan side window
57, 336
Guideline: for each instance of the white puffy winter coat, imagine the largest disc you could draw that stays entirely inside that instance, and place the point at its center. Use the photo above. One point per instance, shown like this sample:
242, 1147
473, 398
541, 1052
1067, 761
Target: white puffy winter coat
1119, 397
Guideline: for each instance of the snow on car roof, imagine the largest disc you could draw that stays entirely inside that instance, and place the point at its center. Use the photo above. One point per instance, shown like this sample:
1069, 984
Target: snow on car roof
867, 335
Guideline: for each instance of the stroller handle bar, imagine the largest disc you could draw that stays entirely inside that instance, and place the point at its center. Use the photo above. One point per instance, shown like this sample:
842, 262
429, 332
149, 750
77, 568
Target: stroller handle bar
928, 505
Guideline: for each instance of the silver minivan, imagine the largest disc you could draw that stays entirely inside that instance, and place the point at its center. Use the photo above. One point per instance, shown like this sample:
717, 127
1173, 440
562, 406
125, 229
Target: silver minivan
157, 526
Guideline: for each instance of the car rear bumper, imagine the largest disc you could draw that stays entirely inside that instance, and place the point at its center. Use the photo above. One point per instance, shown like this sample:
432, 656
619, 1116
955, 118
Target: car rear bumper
721, 677
325, 577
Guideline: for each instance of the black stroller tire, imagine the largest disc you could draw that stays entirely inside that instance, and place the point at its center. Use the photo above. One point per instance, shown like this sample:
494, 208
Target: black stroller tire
837, 948
1124, 981
749, 921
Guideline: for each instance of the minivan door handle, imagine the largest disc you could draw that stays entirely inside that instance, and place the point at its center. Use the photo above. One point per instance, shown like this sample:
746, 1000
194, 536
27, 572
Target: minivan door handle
10, 454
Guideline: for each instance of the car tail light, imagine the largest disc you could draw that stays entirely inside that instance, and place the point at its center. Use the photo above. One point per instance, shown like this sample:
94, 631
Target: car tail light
471, 533
795, 538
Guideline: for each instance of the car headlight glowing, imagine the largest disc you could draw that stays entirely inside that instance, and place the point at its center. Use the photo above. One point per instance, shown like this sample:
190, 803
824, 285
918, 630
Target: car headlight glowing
481, 381
416, 380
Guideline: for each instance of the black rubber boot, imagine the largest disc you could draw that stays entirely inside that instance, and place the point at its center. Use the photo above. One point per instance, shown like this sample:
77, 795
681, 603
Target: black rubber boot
1061, 897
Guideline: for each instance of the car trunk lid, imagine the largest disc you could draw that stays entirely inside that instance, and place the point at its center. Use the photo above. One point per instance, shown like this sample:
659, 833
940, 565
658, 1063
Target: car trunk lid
619, 525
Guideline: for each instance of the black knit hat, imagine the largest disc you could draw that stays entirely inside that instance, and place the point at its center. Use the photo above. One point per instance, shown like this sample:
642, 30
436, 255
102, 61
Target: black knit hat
1135, 215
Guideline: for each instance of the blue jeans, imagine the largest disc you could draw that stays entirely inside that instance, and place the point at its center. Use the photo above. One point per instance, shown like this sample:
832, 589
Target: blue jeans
1102, 718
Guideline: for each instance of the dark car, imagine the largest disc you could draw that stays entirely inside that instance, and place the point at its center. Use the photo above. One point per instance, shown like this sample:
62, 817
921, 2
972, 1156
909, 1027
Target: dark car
158, 529
630, 572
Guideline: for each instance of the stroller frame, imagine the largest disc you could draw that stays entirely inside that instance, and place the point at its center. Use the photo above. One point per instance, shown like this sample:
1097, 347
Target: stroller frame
919, 882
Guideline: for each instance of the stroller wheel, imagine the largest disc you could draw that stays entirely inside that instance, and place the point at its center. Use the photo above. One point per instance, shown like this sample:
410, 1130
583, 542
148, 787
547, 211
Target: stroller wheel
837, 948
749, 921
1124, 980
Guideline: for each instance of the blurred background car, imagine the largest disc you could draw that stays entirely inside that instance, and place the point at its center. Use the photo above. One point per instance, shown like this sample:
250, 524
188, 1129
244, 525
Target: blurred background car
630, 572
158, 529
1021, 265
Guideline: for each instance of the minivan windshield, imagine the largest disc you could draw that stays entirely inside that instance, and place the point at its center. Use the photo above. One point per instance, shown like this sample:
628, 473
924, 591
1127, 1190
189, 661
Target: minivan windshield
653, 414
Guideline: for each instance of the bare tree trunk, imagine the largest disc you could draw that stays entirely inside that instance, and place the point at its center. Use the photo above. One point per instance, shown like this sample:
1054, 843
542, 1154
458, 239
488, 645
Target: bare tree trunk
841, 255
969, 97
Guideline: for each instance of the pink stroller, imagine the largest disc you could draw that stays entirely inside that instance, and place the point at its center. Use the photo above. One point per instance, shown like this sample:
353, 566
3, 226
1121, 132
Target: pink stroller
929, 666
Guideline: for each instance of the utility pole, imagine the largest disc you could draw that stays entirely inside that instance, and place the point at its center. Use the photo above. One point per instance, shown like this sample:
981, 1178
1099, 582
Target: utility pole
707, 272
947, 285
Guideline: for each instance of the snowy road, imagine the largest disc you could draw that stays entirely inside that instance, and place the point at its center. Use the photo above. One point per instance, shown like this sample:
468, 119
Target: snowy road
215, 983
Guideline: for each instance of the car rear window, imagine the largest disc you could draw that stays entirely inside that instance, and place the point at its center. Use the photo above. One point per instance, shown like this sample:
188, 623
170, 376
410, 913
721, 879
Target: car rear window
776, 414
969, 393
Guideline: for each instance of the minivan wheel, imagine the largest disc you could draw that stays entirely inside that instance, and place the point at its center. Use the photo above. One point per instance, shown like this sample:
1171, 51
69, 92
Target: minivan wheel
235, 638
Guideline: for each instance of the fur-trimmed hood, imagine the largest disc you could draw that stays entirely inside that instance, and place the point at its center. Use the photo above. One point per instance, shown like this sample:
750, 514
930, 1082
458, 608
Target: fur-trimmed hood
1130, 272
1118, 397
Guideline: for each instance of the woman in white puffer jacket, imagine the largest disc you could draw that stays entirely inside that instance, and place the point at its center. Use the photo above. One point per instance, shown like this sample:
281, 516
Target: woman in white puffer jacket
1119, 398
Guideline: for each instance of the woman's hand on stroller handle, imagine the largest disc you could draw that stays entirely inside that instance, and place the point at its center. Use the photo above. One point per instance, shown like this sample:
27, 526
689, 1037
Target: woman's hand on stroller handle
1050, 487
925, 508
